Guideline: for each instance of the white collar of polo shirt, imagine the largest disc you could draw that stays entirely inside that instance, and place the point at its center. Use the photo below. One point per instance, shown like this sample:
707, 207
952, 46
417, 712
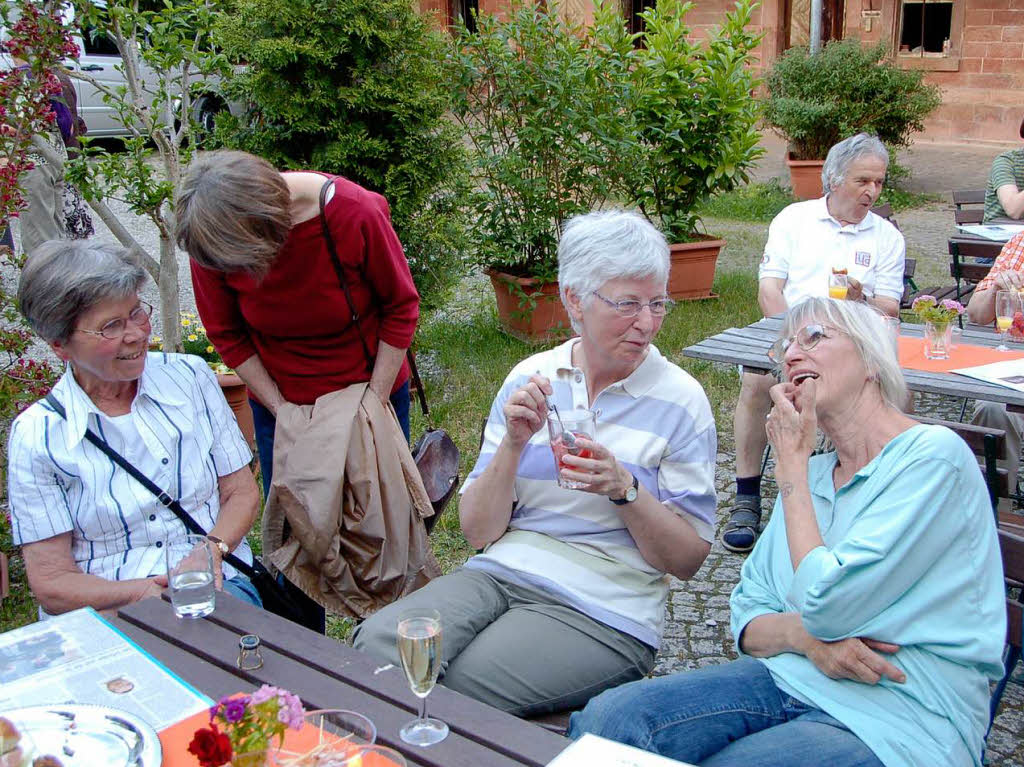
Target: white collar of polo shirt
636, 384
823, 215
78, 404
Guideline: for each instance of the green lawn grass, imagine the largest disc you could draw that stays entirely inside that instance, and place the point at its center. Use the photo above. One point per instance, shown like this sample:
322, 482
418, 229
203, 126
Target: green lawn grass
464, 358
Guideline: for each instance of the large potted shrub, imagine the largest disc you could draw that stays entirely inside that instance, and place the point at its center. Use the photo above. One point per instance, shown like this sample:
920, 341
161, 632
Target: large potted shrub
847, 88
694, 119
358, 88
540, 101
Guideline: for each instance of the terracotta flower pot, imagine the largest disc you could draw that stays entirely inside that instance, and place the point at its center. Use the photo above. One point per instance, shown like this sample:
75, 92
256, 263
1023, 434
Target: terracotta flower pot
546, 319
693, 268
237, 396
805, 177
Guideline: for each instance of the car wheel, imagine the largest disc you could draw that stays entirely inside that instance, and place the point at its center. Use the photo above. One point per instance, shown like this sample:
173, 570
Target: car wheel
205, 116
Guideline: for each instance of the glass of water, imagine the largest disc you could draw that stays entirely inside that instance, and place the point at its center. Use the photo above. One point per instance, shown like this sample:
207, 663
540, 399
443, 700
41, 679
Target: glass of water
190, 575
419, 647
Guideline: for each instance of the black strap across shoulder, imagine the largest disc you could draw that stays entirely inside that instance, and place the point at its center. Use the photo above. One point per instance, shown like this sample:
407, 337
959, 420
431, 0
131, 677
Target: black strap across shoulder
146, 482
339, 270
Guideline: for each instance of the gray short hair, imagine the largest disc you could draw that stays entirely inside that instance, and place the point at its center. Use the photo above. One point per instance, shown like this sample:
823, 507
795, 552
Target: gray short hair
606, 245
63, 279
866, 328
839, 158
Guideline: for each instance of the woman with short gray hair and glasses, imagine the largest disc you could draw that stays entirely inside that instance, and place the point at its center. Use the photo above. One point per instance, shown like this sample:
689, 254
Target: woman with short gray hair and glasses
90, 533
568, 596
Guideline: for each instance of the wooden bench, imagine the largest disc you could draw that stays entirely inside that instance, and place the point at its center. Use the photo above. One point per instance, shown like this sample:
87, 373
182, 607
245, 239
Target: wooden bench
968, 206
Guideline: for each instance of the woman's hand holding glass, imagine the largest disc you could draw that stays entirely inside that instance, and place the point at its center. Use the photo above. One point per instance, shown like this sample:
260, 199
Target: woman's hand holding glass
526, 410
600, 473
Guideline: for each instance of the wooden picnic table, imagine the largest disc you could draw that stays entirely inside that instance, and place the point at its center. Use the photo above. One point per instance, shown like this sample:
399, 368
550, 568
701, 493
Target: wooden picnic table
976, 246
325, 673
749, 347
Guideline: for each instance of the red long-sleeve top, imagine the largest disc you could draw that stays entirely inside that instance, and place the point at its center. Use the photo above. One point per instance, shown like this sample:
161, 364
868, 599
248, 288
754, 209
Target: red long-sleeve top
297, 319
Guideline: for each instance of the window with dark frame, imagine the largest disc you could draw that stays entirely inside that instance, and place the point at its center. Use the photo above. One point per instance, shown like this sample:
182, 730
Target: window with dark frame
636, 7
467, 10
926, 27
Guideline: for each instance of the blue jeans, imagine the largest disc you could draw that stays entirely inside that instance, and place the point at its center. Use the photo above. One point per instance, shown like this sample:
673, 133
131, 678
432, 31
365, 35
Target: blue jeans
240, 587
732, 715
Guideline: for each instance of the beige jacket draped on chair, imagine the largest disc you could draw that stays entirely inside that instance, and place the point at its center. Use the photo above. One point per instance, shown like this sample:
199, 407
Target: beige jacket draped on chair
347, 485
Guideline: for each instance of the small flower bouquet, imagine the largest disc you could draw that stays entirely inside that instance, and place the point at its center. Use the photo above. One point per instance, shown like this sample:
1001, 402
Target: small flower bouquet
250, 725
929, 309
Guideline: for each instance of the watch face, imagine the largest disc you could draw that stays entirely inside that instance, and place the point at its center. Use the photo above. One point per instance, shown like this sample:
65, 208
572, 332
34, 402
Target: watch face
631, 494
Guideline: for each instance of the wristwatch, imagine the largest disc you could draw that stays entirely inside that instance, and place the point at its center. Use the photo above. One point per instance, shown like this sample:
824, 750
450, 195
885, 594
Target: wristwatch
631, 494
221, 545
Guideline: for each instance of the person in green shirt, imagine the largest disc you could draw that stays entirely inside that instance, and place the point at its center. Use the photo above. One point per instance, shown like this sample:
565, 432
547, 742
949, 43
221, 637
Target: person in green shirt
1004, 195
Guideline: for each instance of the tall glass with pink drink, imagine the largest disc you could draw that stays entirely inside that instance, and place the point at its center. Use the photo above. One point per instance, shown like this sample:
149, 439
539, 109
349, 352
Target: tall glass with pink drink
578, 422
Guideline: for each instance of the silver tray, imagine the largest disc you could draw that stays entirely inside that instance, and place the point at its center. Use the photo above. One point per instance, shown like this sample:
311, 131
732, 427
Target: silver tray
87, 736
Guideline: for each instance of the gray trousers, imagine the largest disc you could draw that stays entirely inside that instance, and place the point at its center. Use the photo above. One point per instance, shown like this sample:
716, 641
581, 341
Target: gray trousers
511, 647
43, 218
994, 416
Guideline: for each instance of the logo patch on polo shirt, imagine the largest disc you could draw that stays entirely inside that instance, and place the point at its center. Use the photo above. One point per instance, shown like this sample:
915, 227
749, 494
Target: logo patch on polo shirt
862, 258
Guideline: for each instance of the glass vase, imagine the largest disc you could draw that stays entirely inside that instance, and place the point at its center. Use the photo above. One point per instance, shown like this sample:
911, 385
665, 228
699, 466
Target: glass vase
937, 340
252, 759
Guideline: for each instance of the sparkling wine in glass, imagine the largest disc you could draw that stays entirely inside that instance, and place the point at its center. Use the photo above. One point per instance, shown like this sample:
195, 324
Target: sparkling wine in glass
1007, 304
419, 647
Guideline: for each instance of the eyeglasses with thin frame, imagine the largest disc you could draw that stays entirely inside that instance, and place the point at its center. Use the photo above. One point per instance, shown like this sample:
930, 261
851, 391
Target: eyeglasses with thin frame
629, 307
806, 338
115, 329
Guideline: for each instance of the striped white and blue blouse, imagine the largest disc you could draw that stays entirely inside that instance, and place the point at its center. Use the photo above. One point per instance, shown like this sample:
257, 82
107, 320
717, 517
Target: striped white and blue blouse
180, 432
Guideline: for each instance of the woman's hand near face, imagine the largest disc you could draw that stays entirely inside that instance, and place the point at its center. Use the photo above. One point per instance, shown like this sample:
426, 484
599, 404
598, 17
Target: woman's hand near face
526, 410
601, 472
792, 425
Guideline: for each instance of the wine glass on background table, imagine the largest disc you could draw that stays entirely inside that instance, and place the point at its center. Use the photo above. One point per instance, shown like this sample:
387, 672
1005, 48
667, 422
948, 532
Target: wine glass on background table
1007, 304
419, 647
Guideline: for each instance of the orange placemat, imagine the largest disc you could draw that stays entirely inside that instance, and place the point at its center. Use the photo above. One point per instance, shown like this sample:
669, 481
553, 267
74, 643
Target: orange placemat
962, 356
174, 741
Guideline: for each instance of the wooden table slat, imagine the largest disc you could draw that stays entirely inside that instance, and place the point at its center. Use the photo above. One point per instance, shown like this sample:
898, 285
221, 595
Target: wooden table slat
328, 674
474, 721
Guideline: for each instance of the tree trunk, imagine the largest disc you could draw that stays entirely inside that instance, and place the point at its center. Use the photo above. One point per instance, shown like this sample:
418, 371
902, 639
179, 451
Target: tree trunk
170, 307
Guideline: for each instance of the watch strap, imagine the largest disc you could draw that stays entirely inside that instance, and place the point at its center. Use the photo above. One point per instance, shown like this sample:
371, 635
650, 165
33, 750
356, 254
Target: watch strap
626, 499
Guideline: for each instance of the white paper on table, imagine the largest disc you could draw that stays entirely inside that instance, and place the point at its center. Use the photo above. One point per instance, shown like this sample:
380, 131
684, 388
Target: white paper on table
592, 750
79, 657
994, 232
1009, 373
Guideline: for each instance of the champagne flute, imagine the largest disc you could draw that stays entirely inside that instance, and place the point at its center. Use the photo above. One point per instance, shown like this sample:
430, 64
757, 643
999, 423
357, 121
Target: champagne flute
1007, 303
419, 647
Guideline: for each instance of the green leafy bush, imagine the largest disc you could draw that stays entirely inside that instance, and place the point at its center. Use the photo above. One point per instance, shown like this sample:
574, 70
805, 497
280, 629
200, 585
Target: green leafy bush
358, 88
693, 114
816, 101
541, 100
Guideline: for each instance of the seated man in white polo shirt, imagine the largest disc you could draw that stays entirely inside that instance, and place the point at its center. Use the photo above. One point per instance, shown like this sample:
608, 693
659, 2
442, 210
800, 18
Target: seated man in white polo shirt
806, 241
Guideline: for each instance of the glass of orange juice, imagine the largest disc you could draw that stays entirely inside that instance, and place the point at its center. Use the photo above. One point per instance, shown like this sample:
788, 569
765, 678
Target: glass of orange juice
838, 284
1007, 304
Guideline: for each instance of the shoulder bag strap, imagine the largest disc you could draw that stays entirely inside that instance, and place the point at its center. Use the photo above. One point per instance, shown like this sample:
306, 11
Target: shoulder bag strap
336, 262
190, 524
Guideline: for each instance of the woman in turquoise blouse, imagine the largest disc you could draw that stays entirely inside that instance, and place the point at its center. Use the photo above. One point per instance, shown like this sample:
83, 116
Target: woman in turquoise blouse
869, 617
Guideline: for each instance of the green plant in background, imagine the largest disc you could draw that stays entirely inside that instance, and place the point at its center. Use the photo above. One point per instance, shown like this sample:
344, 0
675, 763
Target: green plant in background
541, 101
355, 87
693, 112
816, 101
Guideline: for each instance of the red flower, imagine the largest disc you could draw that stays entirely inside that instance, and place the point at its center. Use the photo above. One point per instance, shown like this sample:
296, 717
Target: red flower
213, 748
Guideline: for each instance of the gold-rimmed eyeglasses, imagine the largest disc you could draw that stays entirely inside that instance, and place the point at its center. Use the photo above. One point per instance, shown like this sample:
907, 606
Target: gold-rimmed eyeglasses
115, 329
806, 338
630, 307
